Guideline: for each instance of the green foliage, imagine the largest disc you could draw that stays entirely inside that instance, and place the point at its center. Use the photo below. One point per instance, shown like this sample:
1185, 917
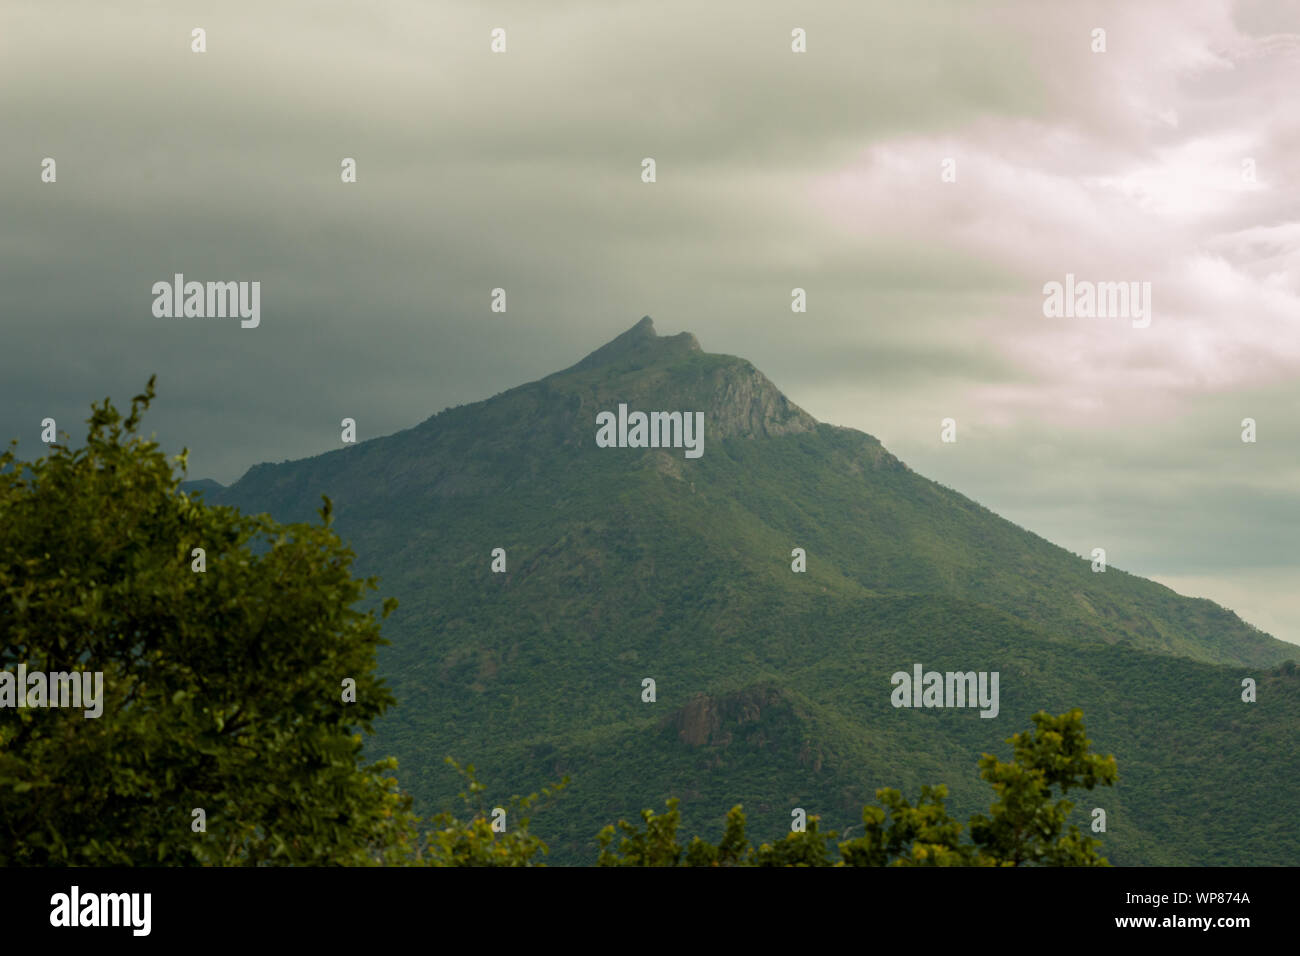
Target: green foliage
222, 690
899, 833
810, 847
1025, 826
732, 850
473, 841
655, 845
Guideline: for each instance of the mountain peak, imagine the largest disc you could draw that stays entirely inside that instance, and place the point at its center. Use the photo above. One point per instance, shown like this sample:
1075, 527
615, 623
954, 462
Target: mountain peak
643, 369
639, 346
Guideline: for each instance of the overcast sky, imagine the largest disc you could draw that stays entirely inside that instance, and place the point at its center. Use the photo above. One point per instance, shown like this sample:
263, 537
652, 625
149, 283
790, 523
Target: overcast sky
819, 170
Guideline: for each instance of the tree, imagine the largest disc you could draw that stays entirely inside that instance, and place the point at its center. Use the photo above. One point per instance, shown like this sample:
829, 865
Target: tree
901, 834
1024, 826
655, 845
474, 842
223, 687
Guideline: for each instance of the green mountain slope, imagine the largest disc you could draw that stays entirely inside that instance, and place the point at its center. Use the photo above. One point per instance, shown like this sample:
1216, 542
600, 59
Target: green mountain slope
773, 687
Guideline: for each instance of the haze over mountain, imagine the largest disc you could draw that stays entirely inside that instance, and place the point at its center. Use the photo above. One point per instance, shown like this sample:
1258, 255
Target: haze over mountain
773, 687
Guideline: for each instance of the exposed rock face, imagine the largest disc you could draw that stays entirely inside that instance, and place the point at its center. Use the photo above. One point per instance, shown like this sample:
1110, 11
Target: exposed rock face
671, 373
712, 721
747, 404
698, 720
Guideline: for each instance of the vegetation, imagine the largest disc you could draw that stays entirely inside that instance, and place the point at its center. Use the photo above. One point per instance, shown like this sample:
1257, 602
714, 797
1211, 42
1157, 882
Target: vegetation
773, 687
222, 689
496, 836
1025, 826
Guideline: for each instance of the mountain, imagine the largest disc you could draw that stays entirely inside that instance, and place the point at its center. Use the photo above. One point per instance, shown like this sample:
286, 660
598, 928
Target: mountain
773, 687
208, 485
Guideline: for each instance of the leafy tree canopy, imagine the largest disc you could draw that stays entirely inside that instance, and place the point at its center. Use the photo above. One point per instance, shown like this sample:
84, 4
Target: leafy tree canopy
222, 688
1026, 825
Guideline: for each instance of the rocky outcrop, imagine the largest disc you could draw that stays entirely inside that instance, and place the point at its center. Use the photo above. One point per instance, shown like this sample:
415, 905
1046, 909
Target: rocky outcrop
650, 372
712, 721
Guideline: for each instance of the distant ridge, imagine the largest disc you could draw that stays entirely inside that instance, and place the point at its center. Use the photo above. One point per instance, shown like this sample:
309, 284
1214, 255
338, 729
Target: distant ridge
202, 484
